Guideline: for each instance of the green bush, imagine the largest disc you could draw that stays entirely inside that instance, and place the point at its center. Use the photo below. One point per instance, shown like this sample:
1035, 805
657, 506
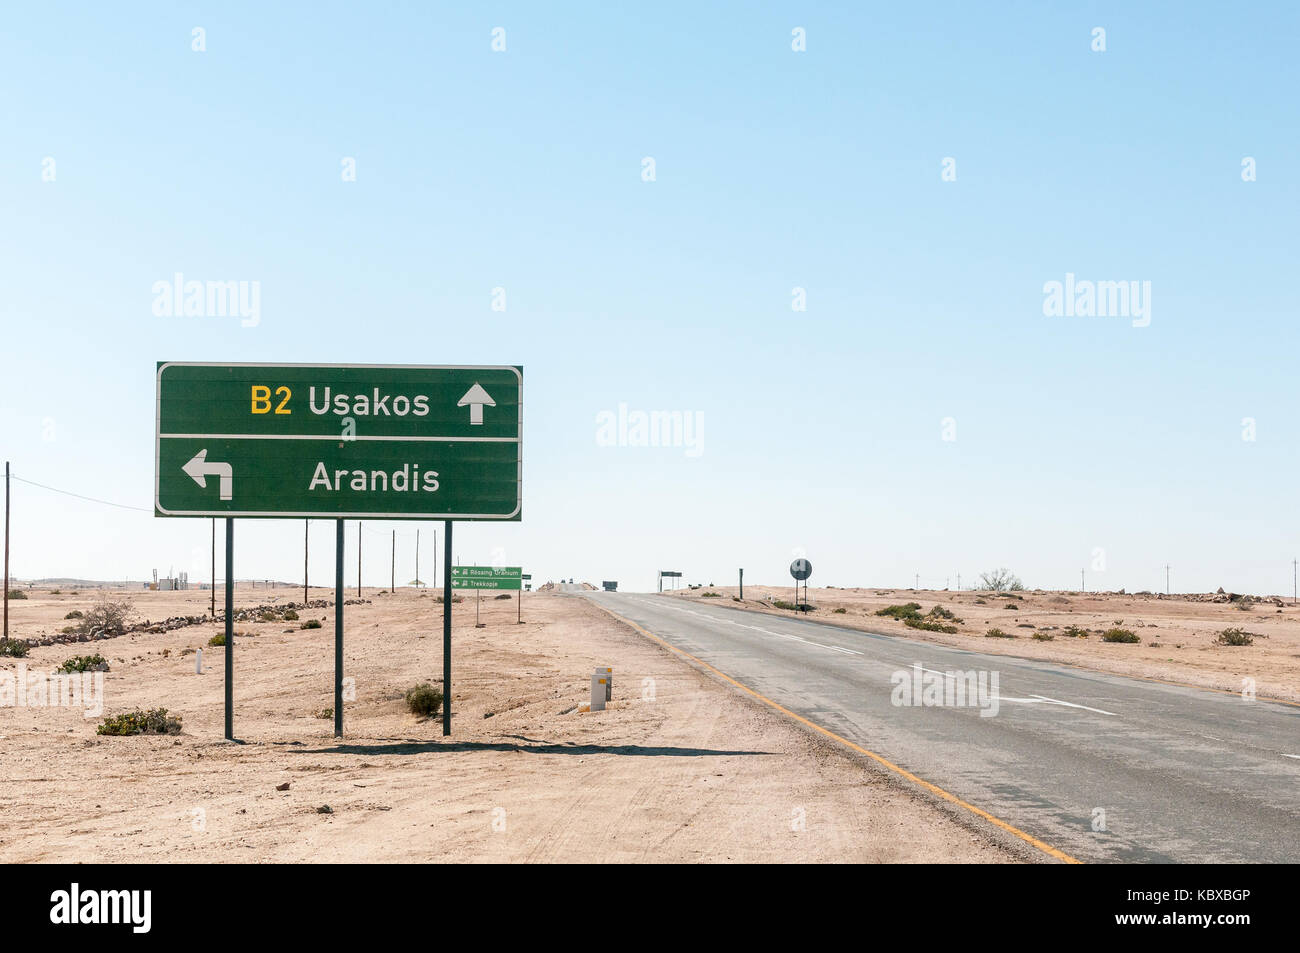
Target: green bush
1043, 637
909, 610
83, 663
996, 633
782, 604
290, 615
153, 722
1235, 637
939, 612
929, 625
841, 610
74, 614
310, 624
703, 595
17, 594
1012, 606
1117, 634
13, 648
1074, 632
424, 700
218, 639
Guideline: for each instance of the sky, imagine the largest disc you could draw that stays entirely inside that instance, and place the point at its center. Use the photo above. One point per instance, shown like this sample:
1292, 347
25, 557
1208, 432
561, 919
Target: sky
820, 232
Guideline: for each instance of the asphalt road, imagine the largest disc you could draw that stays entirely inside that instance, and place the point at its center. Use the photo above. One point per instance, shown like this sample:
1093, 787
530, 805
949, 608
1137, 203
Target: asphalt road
1172, 774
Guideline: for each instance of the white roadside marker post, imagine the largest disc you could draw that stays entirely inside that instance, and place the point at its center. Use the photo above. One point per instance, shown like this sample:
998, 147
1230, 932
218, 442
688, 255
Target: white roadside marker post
198, 662
607, 673
598, 683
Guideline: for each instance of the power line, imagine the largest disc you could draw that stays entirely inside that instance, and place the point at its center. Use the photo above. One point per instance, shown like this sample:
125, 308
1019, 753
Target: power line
138, 509
91, 499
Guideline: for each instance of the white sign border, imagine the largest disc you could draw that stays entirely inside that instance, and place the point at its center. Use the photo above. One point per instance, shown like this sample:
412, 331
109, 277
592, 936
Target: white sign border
159, 510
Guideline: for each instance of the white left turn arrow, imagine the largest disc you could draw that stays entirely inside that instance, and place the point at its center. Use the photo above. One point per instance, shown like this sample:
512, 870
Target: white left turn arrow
199, 470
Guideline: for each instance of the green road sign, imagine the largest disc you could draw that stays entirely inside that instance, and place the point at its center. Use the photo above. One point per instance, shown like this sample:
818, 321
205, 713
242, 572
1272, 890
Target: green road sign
356, 441
487, 577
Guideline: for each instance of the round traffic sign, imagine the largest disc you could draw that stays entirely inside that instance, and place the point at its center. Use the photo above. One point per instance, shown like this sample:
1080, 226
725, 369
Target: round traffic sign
801, 569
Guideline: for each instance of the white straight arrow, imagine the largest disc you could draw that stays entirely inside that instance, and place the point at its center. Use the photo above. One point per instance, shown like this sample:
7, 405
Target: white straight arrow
199, 470
476, 397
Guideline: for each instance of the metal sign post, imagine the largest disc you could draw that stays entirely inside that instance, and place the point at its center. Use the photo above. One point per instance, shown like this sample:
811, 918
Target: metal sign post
230, 629
800, 569
446, 634
338, 629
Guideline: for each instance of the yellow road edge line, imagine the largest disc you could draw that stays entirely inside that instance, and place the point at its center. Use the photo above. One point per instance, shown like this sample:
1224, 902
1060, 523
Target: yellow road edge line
885, 762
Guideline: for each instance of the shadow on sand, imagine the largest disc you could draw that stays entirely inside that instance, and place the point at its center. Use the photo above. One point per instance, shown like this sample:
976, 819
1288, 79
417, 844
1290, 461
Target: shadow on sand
409, 746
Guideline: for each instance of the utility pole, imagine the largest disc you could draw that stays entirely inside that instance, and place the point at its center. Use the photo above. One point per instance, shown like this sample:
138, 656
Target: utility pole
742, 585
392, 584
214, 567
358, 559
918, 581
417, 558
305, 525
1295, 580
1082, 585
1166, 578
6, 638
959, 582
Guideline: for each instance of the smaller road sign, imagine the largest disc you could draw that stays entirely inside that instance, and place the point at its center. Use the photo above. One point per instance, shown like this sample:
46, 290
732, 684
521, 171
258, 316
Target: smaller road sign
487, 577
801, 569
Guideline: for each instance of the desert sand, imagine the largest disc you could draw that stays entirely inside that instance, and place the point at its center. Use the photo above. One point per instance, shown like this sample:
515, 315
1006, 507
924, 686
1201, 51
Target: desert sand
1178, 634
679, 768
